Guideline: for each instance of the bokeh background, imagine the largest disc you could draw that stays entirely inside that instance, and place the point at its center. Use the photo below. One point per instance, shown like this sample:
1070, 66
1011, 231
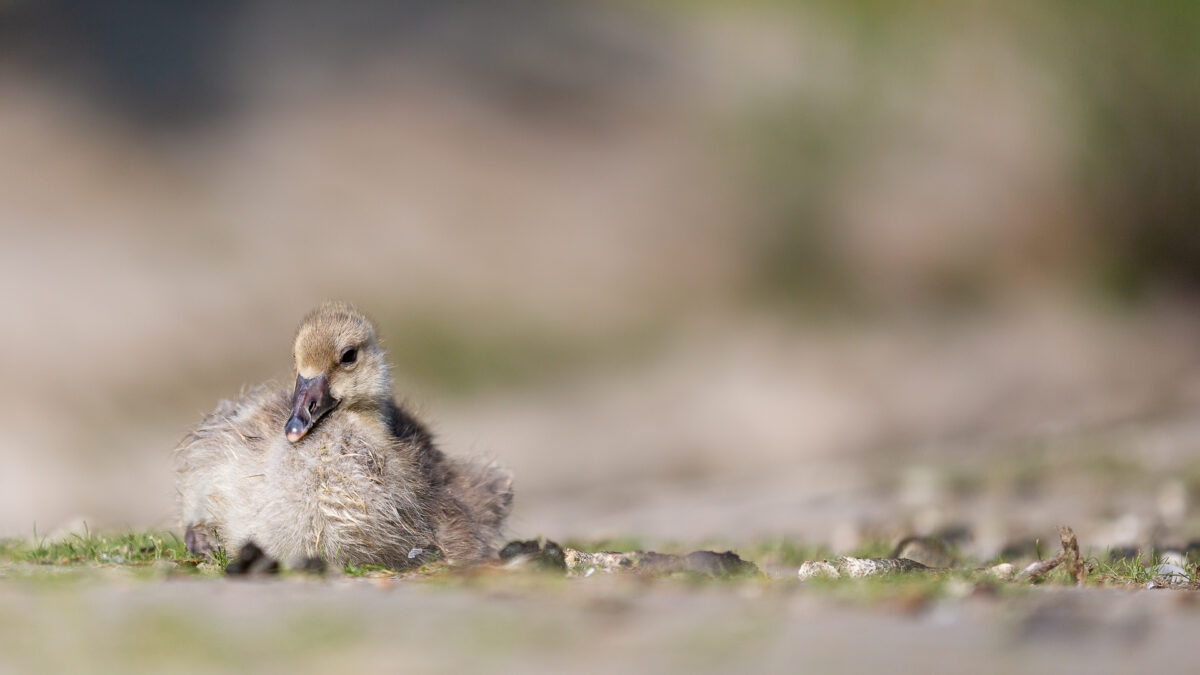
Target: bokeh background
694, 270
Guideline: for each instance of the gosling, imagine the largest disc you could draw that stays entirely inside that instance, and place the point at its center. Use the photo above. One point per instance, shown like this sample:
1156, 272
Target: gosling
334, 469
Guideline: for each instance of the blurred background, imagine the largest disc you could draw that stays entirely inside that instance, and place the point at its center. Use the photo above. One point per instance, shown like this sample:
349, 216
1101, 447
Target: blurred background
694, 270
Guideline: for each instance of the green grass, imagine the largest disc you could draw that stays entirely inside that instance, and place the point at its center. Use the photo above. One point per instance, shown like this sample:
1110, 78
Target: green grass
424, 571
783, 551
129, 548
144, 549
1132, 572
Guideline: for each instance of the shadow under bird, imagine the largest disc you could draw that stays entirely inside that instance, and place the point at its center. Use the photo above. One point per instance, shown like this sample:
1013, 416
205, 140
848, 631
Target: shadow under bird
333, 468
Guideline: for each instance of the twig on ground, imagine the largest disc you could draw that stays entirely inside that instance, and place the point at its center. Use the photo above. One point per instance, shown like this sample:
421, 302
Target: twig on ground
1069, 555
1072, 557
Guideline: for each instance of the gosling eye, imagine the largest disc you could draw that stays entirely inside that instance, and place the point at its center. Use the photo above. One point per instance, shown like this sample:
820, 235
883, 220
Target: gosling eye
349, 356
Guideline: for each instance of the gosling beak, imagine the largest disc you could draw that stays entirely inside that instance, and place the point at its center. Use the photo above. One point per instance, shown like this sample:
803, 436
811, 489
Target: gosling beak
310, 401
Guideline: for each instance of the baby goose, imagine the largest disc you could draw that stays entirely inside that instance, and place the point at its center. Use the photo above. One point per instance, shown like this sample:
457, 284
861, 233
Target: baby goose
334, 469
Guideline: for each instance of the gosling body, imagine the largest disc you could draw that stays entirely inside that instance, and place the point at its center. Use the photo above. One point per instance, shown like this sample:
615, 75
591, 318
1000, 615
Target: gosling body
334, 469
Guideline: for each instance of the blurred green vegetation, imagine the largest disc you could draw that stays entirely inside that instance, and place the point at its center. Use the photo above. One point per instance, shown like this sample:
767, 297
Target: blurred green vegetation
799, 150
443, 352
1125, 75
1121, 82
1136, 69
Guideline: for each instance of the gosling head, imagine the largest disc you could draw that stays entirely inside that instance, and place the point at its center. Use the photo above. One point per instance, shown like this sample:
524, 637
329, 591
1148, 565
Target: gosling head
338, 363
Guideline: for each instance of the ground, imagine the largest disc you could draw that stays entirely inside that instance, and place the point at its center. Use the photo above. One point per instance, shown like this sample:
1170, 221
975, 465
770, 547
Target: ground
138, 603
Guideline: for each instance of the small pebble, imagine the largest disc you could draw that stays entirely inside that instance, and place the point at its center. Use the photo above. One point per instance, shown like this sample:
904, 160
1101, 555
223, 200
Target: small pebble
1173, 558
928, 551
1167, 574
817, 568
1004, 571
